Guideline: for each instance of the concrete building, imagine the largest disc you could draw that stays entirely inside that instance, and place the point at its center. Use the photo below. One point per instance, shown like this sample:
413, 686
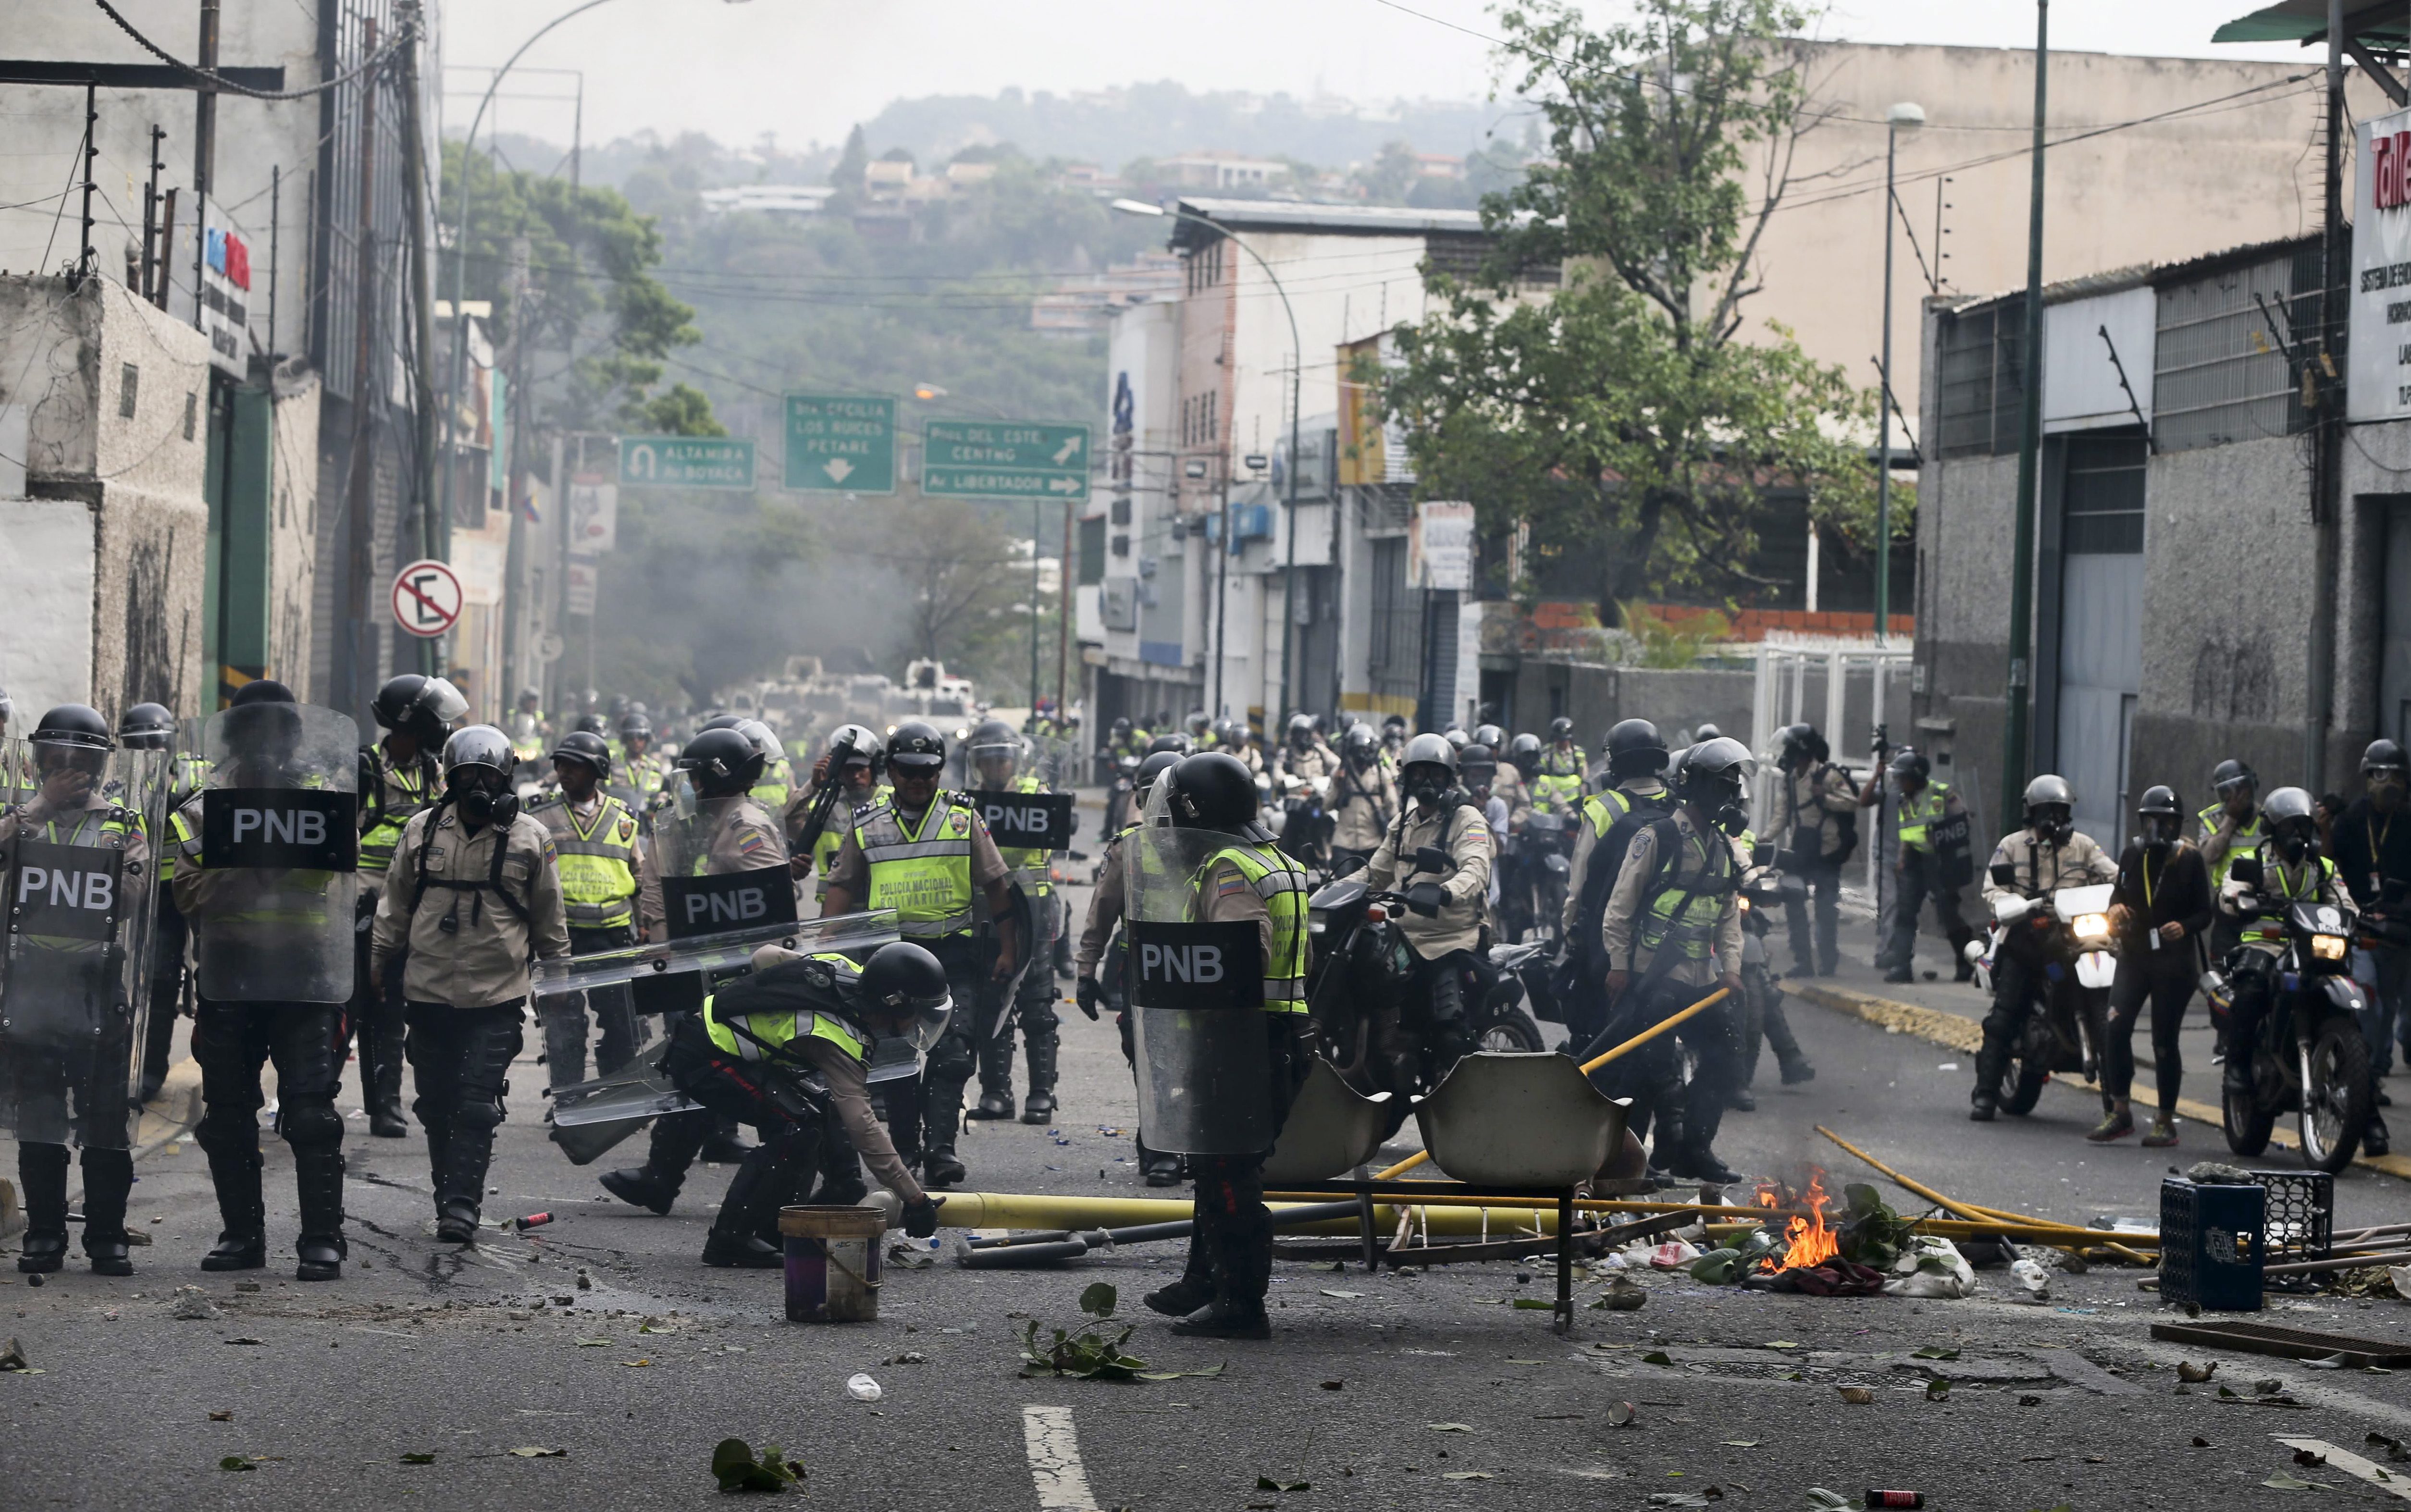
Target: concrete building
307, 415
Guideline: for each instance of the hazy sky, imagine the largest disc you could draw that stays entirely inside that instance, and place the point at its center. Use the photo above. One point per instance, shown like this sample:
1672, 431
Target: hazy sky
808, 69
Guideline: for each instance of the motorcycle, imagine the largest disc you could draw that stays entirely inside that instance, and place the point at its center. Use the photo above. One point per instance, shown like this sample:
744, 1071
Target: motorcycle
1118, 798
2312, 1058
1762, 888
1528, 977
1301, 824
1360, 971
2073, 938
1543, 869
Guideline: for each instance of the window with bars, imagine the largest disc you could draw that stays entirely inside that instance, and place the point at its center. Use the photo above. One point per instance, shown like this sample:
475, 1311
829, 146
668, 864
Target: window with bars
1982, 381
2220, 370
2102, 496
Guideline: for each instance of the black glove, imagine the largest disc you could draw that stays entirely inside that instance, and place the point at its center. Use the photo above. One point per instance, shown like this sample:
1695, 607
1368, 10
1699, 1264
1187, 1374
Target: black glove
1427, 898
1088, 992
1883, 741
921, 1218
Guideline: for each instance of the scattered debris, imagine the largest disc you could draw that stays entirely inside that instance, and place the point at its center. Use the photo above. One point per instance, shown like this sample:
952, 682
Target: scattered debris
190, 1304
1091, 1354
532, 1451
1332, 1385
247, 1339
1622, 1296
1266, 1483
1449, 1428
2193, 1375
1622, 1415
12, 1356
427, 1457
236, 1461
862, 1388
734, 1465
1857, 1396
909, 1357
225, 1417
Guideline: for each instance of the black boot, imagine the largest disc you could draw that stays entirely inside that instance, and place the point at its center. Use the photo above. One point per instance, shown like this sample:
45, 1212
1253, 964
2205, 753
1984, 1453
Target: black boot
242, 1238
996, 1078
942, 1114
724, 1145
385, 1092
43, 1169
1040, 1107
107, 1181
654, 1185
751, 1200
318, 1184
2375, 1140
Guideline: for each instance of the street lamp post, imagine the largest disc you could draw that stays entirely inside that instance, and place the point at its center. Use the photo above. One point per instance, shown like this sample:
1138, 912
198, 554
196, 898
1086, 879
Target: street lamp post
1905, 116
1297, 384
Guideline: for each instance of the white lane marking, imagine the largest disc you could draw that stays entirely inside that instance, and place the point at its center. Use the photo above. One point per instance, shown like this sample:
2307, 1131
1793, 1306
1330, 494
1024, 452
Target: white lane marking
2390, 1482
1054, 1464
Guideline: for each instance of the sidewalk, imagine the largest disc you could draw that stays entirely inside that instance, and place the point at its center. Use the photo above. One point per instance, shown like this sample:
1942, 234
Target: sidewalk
1951, 1014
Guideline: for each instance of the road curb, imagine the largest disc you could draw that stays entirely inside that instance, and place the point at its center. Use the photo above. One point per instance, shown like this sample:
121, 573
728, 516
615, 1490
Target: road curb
174, 1112
1953, 1031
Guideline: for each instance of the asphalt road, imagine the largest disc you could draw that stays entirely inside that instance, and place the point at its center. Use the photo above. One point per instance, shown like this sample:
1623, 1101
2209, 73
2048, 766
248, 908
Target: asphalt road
1380, 1390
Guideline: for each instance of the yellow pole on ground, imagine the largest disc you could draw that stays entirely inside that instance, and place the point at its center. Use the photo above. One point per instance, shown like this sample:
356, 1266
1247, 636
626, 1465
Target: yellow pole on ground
1646, 1035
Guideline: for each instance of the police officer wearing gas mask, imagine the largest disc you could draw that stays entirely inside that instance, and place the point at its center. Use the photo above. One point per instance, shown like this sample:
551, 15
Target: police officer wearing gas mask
1446, 905
474, 894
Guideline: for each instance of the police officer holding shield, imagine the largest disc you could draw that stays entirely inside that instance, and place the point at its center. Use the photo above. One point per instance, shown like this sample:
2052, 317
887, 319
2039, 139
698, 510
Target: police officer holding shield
598, 845
74, 863
264, 859
1217, 917
399, 776
1100, 962
996, 763
151, 727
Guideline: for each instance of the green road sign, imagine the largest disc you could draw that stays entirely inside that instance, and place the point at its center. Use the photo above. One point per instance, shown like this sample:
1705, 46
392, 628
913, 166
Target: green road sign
841, 444
1005, 459
686, 463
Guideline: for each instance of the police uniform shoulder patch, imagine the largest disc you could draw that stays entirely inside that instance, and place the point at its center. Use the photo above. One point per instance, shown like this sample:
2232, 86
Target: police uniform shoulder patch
627, 829
750, 843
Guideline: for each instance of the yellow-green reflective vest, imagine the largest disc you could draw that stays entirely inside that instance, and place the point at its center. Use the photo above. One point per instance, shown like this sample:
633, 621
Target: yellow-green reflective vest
1030, 860
1604, 810
597, 866
832, 838
1282, 887
2275, 885
1678, 917
778, 1030
1556, 793
778, 780
924, 874
399, 792
1556, 762
2248, 836
1920, 813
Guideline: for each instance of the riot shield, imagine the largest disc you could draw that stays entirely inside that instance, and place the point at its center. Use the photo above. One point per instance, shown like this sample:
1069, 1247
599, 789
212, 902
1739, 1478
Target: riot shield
279, 848
668, 977
1196, 993
78, 868
723, 863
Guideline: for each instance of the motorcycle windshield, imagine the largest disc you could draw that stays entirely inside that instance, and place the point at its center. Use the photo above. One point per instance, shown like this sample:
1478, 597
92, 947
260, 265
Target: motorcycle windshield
2071, 903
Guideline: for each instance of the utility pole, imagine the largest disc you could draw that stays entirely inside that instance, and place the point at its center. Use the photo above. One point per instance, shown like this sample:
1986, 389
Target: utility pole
2327, 384
434, 534
91, 160
205, 145
361, 507
1036, 511
150, 248
515, 565
2021, 550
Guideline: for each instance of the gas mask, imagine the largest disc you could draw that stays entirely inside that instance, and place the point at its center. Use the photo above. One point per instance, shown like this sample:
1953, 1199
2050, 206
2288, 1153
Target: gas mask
1426, 784
1725, 805
484, 796
2052, 823
2295, 844
2159, 833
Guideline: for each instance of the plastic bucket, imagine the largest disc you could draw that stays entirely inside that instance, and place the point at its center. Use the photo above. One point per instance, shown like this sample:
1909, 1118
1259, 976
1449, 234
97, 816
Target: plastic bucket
832, 1263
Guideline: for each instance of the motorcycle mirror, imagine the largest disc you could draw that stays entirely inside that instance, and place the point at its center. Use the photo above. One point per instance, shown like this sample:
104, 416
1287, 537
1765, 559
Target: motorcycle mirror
1761, 852
2005, 874
1432, 858
1349, 867
2245, 869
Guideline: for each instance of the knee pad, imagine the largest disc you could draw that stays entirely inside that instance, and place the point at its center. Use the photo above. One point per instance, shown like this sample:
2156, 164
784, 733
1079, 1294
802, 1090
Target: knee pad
478, 1114
311, 1125
225, 1128
950, 1059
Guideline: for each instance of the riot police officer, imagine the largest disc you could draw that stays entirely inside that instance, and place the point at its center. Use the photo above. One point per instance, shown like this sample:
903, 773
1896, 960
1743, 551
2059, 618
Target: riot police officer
1919, 870
1362, 798
1818, 816
151, 727
1672, 933
728, 833
924, 853
2373, 853
475, 897
275, 963
788, 1049
1215, 864
1446, 914
857, 776
641, 771
1098, 962
1636, 765
996, 758
2030, 863
399, 776
1561, 780
2228, 828
2291, 871
598, 847
75, 896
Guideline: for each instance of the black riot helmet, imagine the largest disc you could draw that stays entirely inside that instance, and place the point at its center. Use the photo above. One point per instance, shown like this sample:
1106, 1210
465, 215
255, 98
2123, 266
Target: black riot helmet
1212, 790
1477, 767
1154, 766
1908, 765
593, 724
1428, 769
995, 749
1705, 732
587, 747
635, 725
1301, 731
916, 745
1393, 730
1714, 777
262, 723
2384, 756
418, 706
903, 991
1176, 743
477, 765
2051, 809
1635, 749
1799, 740
1120, 728
722, 763
73, 735
2230, 775
1490, 735
721, 722
1197, 724
2161, 816
2292, 824
1561, 731
1360, 748
1524, 751
1456, 738
147, 727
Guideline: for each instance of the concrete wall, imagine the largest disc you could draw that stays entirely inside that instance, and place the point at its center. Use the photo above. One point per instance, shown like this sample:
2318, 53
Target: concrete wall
137, 476
293, 529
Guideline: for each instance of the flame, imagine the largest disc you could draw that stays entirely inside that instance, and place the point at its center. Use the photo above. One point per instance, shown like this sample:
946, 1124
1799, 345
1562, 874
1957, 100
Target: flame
1812, 1240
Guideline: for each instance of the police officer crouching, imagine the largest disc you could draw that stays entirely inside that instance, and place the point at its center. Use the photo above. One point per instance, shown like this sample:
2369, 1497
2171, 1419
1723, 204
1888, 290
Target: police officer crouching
1672, 931
597, 842
473, 895
789, 1048
922, 852
1238, 877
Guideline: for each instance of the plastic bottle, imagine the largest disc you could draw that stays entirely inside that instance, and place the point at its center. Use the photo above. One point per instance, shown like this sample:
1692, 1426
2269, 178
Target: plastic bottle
2030, 1275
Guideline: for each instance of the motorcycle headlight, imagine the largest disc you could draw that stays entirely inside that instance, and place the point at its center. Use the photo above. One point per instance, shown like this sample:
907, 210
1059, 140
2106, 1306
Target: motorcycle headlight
1316, 925
1744, 903
2327, 947
2092, 926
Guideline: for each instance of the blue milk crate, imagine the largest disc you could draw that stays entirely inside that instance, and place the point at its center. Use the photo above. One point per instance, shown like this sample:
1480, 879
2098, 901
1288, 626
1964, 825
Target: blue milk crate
2213, 1245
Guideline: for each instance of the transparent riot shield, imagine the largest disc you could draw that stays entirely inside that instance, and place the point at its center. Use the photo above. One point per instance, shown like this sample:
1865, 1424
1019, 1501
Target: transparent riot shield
77, 884
1196, 992
273, 881
674, 976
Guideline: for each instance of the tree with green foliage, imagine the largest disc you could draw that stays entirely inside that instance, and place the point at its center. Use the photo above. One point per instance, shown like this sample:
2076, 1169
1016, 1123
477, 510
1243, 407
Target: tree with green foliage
1633, 409
593, 295
851, 163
